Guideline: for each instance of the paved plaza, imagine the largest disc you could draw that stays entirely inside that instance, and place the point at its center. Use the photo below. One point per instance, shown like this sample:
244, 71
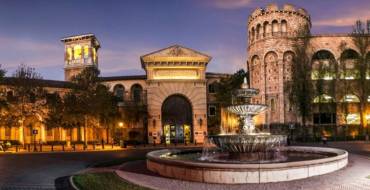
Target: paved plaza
29, 171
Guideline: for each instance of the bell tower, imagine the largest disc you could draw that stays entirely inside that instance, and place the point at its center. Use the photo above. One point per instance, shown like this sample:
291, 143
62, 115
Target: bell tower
80, 51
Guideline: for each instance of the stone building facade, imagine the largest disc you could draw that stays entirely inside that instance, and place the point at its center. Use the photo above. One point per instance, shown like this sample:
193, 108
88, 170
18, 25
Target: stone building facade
172, 98
272, 38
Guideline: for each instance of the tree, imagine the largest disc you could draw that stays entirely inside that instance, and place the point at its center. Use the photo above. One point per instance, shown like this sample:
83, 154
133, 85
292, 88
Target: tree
228, 85
3, 102
105, 107
300, 88
224, 95
89, 103
28, 95
361, 40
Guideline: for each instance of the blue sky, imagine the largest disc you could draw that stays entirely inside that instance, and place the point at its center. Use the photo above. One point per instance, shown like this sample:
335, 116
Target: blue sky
30, 30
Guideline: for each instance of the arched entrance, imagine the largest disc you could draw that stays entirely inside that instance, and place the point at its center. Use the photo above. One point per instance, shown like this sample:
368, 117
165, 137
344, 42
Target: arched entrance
177, 120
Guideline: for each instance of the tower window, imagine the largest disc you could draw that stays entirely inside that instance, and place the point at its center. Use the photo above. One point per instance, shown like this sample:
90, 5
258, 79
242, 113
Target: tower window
77, 52
69, 54
86, 52
94, 54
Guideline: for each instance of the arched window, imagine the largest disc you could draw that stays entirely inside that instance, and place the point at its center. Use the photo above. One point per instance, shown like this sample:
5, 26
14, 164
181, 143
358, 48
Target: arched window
265, 29
324, 98
275, 27
77, 52
136, 93
283, 26
323, 65
253, 34
272, 104
350, 98
258, 29
119, 91
348, 61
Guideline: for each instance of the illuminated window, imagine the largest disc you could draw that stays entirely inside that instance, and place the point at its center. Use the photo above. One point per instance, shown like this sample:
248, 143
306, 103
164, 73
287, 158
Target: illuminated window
317, 74
69, 54
77, 52
350, 98
353, 118
350, 74
94, 54
323, 99
86, 51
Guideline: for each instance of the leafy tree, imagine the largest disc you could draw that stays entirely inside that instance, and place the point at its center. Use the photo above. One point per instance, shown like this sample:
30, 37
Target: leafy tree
300, 88
89, 102
3, 102
228, 85
28, 95
105, 108
361, 40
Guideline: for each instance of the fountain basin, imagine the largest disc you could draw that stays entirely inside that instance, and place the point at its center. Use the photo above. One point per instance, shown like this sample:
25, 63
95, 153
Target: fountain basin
231, 173
240, 143
247, 109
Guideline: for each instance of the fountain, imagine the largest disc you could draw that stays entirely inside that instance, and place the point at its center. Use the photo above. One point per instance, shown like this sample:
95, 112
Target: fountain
247, 156
247, 140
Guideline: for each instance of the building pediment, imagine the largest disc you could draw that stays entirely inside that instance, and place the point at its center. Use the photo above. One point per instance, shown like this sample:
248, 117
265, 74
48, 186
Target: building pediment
175, 53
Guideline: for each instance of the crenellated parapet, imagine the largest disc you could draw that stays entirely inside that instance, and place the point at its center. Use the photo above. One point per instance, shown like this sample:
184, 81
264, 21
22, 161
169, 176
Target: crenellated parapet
273, 21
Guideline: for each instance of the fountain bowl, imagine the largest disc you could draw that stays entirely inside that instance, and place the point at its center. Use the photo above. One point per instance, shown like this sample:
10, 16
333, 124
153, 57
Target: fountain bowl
247, 109
169, 163
247, 143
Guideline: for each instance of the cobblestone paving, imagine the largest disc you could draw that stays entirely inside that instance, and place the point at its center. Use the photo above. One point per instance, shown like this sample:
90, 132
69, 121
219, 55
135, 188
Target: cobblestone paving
353, 177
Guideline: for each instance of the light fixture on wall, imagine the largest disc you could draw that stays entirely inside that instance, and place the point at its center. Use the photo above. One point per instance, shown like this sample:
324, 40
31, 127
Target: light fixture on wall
120, 124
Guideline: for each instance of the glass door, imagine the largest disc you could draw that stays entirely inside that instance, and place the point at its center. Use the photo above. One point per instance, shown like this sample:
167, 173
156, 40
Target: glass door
167, 134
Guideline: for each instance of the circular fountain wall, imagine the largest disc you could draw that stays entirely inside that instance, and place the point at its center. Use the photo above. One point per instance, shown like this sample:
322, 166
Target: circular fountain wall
176, 164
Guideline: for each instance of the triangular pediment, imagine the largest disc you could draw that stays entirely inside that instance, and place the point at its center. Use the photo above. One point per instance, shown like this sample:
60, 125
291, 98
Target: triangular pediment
175, 53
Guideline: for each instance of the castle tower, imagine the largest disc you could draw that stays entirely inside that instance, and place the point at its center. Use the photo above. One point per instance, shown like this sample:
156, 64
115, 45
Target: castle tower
81, 51
272, 36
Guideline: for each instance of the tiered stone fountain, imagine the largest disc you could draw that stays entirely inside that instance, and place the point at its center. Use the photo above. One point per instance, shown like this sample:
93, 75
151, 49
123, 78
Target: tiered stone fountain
247, 140
248, 156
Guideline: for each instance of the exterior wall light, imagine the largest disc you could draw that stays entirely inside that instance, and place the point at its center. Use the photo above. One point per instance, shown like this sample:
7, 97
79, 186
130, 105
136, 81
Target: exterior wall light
120, 124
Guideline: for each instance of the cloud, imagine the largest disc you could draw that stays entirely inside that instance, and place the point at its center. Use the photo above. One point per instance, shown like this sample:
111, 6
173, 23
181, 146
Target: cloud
34, 53
344, 19
122, 60
231, 4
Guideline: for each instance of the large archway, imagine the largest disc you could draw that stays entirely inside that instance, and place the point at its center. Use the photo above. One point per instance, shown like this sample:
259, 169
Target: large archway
177, 120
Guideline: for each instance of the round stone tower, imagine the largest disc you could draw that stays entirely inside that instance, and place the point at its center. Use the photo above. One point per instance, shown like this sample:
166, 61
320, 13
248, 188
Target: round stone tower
272, 33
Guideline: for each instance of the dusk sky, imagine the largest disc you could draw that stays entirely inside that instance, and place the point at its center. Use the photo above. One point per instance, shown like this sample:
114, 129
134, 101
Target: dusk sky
30, 30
